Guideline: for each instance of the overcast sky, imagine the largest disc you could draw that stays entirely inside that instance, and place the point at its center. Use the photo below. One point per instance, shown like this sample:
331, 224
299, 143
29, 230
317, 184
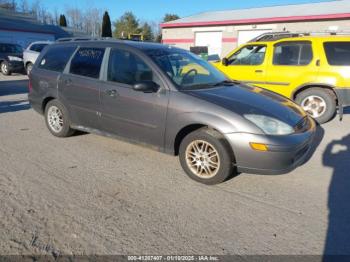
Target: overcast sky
155, 9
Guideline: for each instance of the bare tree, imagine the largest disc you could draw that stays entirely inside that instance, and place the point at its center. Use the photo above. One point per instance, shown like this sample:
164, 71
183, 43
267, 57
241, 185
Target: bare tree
34, 9
56, 17
42, 14
92, 22
88, 21
23, 6
75, 18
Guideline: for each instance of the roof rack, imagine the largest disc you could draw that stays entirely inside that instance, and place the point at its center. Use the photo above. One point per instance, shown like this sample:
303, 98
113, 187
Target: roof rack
273, 36
72, 39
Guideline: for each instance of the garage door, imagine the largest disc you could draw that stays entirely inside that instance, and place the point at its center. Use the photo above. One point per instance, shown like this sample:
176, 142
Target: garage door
247, 35
213, 40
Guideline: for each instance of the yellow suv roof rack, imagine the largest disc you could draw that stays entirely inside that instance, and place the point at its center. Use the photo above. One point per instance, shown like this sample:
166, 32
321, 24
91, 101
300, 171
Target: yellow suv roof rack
274, 36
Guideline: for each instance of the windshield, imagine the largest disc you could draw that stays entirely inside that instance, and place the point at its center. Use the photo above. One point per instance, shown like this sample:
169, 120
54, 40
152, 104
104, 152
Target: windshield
185, 69
10, 48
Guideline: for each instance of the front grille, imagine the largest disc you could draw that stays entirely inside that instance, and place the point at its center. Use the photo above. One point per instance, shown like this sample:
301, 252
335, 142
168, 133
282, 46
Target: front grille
303, 125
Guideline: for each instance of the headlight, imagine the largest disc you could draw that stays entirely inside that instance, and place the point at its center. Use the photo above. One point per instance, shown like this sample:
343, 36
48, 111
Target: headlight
14, 58
269, 125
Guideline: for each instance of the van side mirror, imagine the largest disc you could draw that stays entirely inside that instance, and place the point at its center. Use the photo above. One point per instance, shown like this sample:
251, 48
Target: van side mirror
225, 61
146, 87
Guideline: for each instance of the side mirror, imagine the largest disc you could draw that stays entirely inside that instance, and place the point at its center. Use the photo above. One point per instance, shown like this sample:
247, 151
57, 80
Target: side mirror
146, 87
225, 61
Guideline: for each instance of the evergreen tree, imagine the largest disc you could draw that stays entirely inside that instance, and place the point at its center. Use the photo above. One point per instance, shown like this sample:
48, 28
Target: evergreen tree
125, 25
170, 17
146, 31
106, 26
63, 21
167, 18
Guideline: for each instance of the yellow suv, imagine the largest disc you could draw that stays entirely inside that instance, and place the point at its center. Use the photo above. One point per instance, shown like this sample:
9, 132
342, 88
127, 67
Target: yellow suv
314, 71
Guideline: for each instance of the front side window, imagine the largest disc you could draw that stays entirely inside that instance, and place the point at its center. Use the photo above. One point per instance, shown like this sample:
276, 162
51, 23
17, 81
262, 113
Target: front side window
56, 58
338, 53
248, 55
87, 62
11, 48
186, 70
126, 68
292, 53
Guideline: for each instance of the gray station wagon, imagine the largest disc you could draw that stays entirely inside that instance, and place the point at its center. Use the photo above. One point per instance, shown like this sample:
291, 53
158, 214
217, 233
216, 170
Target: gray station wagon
170, 100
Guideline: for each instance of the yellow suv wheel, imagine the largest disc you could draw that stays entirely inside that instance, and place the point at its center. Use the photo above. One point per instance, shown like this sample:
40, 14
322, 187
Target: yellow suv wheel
319, 103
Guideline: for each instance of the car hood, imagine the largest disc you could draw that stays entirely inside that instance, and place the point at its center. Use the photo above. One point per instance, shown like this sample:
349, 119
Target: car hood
242, 99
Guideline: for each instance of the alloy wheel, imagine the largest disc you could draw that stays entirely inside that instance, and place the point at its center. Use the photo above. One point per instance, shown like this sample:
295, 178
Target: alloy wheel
314, 105
55, 119
4, 68
203, 159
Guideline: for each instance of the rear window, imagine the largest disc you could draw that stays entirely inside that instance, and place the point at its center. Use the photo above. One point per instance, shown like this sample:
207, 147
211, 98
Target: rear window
56, 58
87, 62
37, 47
292, 53
338, 53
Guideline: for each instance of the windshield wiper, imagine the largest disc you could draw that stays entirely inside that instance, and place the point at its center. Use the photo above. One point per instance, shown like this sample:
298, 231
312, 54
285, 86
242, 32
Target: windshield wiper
227, 83
199, 86
211, 85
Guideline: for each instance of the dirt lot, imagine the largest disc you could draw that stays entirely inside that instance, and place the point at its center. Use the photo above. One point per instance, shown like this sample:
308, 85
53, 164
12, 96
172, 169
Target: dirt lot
94, 195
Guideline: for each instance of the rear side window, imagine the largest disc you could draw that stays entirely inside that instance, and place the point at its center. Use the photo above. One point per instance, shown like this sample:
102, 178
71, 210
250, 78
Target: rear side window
56, 58
338, 53
87, 62
292, 53
37, 47
126, 68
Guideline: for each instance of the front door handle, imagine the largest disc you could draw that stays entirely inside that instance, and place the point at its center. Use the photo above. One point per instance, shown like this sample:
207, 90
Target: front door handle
259, 71
112, 92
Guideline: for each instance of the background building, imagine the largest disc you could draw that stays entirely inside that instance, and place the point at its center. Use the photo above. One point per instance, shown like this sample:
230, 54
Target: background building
221, 31
23, 29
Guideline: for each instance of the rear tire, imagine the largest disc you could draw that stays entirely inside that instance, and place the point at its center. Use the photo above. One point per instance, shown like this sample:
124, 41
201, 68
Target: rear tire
206, 156
57, 119
4, 67
319, 103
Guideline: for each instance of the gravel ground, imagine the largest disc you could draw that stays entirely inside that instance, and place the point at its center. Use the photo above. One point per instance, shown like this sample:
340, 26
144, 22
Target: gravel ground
89, 194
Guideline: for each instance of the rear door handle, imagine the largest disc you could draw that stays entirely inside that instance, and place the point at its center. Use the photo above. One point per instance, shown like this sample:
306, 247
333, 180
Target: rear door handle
112, 92
259, 71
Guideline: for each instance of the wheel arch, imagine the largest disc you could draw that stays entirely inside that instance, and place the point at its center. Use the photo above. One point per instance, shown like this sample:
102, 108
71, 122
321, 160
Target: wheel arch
183, 132
185, 123
28, 62
45, 102
308, 86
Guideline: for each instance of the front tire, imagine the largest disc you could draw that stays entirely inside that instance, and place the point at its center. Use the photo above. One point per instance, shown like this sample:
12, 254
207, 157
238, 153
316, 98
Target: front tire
57, 119
206, 156
5, 68
319, 103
